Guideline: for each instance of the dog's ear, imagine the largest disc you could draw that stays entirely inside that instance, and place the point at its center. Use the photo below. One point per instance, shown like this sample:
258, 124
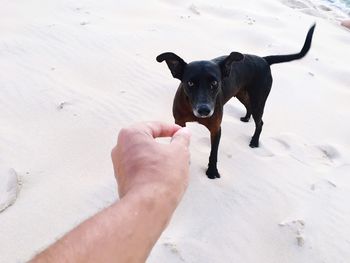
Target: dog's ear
175, 63
225, 65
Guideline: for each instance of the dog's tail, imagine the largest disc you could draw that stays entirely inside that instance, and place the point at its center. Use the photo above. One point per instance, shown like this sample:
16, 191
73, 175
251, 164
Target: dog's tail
286, 58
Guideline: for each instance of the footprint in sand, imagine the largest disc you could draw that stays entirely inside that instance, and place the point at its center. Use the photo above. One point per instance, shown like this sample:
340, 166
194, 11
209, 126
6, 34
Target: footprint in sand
296, 227
323, 185
324, 8
173, 249
308, 7
9, 188
250, 21
298, 149
263, 151
329, 152
82, 11
326, 154
270, 147
62, 105
194, 10
311, 155
295, 4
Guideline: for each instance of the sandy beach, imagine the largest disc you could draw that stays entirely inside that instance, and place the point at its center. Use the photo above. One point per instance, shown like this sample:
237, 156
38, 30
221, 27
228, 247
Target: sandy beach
73, 73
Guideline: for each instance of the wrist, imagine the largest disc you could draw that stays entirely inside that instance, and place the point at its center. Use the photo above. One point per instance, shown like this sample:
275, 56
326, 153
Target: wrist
156, 192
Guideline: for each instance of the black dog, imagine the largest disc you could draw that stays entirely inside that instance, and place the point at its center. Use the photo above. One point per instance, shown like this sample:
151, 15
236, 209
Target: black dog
207, 85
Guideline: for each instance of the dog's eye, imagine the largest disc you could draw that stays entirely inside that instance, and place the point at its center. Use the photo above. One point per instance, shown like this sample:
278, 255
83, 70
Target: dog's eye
214, 84
190, 84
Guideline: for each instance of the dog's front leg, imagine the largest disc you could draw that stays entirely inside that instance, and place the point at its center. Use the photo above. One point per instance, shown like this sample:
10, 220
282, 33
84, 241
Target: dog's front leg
212, 171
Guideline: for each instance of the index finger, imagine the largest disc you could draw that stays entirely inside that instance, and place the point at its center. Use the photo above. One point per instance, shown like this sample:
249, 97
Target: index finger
157, 129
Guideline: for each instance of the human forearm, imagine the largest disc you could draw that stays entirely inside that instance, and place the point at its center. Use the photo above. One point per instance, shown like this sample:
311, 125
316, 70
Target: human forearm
124, 232
152, 178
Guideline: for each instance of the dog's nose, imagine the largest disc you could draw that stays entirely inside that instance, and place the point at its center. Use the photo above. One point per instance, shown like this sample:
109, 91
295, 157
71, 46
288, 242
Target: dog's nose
204, 110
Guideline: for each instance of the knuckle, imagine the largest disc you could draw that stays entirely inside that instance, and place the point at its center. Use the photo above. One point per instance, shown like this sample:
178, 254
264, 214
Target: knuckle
122, 133
125, 133
114, 151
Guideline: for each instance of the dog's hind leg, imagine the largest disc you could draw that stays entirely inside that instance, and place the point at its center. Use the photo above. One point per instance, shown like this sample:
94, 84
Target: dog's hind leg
257, 116
258, 97
243, 97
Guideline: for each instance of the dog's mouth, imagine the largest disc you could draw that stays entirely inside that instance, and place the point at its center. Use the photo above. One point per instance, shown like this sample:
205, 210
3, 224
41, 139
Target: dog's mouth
203, 111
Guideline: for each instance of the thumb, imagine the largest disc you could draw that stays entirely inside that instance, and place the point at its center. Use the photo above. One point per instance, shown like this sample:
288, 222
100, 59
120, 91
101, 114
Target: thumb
182, 137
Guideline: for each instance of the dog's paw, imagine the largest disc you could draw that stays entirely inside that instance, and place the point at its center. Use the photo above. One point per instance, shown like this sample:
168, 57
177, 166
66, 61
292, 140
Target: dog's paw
245, 119
254, 144
212, 173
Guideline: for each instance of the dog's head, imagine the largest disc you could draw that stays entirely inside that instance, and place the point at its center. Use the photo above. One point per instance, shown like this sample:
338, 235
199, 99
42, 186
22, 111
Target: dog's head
201, 80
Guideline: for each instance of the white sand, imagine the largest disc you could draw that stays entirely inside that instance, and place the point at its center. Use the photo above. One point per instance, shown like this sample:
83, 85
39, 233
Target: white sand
72, 73
9, 188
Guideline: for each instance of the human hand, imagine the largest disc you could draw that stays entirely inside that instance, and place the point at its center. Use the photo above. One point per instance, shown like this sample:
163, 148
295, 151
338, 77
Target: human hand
156, 174
141, 162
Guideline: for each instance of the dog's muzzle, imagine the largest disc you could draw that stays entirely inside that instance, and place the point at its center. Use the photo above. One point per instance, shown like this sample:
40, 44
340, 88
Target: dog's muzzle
203, 111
